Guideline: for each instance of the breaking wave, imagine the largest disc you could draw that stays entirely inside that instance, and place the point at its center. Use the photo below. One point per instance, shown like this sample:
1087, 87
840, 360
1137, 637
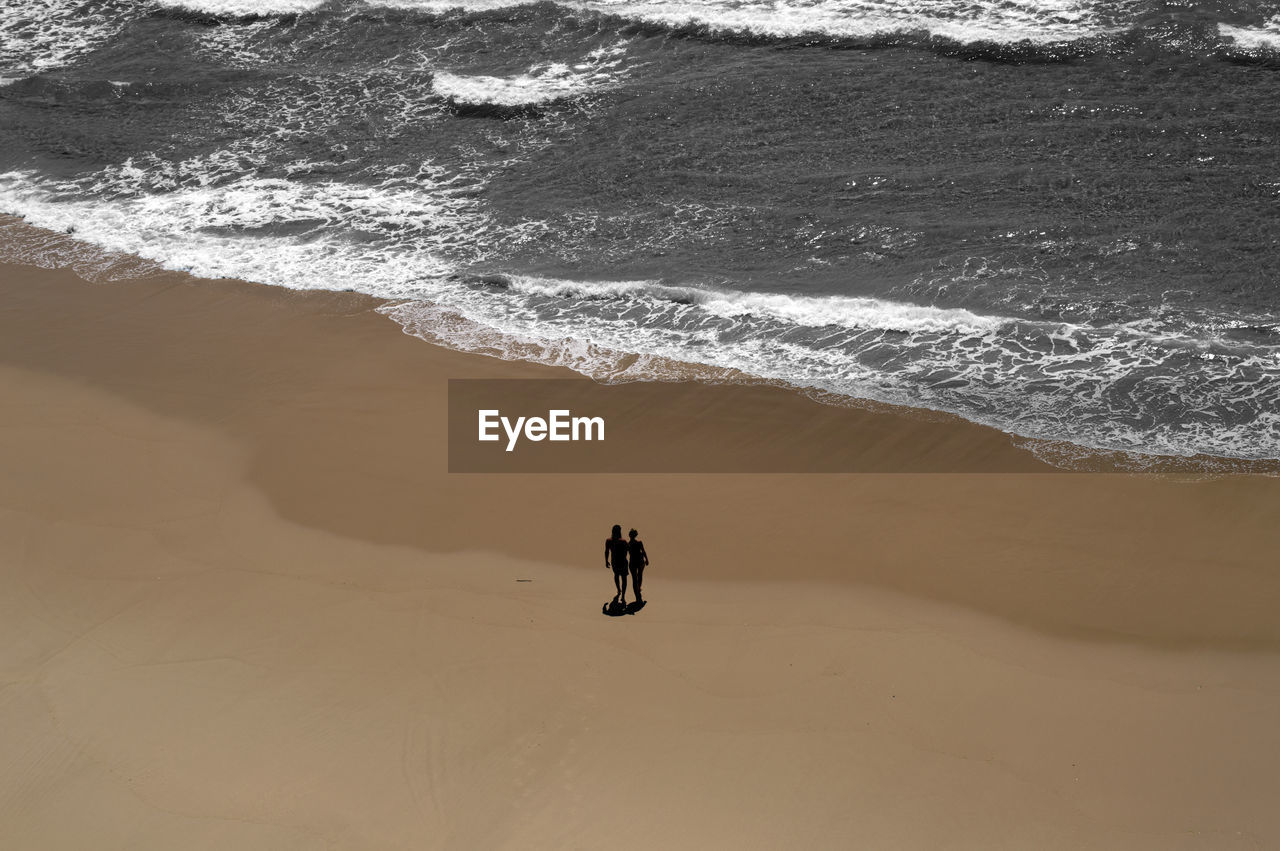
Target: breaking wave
1264, 39
543, 84
1025, 20
243, 8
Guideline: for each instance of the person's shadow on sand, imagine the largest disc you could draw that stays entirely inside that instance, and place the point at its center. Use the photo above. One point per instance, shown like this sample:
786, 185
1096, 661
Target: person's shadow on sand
614, 609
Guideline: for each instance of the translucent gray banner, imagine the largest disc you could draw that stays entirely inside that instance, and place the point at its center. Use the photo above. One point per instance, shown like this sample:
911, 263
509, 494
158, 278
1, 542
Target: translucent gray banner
580, 426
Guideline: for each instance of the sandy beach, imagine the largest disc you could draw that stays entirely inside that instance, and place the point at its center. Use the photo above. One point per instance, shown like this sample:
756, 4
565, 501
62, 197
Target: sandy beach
246, 606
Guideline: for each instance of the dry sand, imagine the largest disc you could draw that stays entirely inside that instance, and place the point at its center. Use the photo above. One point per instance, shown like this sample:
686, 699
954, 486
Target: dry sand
245, 606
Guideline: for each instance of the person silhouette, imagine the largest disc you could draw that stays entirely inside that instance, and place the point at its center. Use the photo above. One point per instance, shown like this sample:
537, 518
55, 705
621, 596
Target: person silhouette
639, 560
615, 556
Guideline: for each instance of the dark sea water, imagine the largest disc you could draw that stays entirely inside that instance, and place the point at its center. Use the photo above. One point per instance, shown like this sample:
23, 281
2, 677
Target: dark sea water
1058, 218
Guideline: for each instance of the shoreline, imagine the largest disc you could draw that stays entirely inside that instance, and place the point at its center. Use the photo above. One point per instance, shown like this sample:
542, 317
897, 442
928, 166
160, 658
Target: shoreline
56, 250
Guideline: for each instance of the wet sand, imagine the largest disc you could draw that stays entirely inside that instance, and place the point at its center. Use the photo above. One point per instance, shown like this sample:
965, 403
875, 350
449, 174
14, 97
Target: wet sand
246, 605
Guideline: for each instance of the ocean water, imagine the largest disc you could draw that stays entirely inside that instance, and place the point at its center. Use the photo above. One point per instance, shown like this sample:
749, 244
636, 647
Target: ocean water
1057, 217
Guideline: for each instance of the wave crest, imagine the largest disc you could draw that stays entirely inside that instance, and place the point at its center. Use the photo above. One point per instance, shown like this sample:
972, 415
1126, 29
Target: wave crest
1044, 21
541, 85
1264, 39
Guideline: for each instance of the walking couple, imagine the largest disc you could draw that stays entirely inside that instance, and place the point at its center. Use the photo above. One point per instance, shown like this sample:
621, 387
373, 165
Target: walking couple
617, 554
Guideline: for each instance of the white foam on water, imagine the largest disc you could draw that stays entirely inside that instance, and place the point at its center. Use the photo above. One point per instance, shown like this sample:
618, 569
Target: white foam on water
816, 312
964, 22
1254, 39
244, 8
1011, 21
851, 313
541, 84
440, 6
235, 45
389, 235
39, 35
446, 327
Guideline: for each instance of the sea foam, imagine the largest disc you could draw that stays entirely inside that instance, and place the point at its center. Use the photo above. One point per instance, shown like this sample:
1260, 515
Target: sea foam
1265, 38
233, 230
1044, 21
244, 8
541, 84
37, 35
